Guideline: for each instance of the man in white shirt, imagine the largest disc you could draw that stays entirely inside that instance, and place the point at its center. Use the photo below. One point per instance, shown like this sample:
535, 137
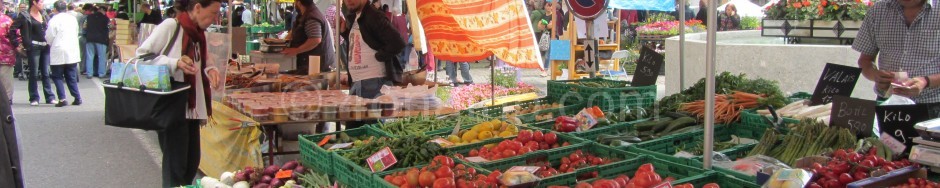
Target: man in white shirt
64, 55
247, 17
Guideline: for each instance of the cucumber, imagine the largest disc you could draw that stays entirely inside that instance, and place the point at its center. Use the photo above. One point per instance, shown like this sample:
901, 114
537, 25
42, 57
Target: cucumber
678, 124
650, 125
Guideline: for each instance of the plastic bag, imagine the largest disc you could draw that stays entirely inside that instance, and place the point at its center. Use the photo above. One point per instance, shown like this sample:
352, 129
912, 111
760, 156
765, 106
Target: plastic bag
413, 97
753, 164
898, 100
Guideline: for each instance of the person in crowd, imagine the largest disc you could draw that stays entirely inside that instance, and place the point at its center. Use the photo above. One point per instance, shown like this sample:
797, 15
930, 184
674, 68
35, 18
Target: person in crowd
400, 22
79, 15
388, 14
897, 33
373, 51
21, 58
237, 15
151, 15
110, 12
247, 16
310, 36
331, 15
7, 53
702, 12
62, 36
729, 20
559, 21
169, 13
32, 28
377, 4
96, 39
464, 71
288, 16
180, 144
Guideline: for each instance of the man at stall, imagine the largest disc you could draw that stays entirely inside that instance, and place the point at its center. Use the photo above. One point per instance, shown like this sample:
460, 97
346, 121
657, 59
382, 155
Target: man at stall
902, 35
310, 36
151, 16
373, 50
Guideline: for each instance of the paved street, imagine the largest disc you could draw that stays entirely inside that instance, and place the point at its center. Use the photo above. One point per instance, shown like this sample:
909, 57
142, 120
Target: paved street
71, 146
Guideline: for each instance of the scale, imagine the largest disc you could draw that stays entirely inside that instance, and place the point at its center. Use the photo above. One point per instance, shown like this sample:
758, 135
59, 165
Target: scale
927, 152
272, 45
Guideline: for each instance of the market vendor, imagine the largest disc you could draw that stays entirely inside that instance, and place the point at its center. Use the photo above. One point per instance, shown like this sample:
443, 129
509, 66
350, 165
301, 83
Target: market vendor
310, 36
902, 35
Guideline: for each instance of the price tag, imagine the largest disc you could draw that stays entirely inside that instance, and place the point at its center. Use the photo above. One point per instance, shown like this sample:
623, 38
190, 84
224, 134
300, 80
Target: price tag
586, 119
666, 184
853, 114
835, 80
381, 160
530, 169
892, 143
284, 174
443, 142
340, 146
898, 122
648, 66
476, 159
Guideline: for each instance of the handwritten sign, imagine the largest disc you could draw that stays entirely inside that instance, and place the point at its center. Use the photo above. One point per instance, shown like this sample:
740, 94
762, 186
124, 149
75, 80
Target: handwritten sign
898, 121
857, 115
835, 80
648, 66
381, 160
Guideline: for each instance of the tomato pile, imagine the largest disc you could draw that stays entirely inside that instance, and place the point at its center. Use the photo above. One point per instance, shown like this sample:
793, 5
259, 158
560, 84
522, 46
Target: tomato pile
443, 173
848, 166
526, 141
645, 177
576, 160
918, 182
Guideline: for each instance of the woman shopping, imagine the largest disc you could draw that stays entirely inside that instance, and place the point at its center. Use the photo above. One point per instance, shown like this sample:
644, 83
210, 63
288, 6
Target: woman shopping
180, 143
729, 20
32, 28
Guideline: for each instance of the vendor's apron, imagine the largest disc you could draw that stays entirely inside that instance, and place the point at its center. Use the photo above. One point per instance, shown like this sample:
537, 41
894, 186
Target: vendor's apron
324, 49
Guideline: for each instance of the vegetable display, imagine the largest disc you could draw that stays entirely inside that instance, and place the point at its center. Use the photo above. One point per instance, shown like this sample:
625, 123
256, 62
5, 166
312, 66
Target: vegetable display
727, 107
533, 108
800, 110
918, 182
847, 166
342, 138
575, 160
422, 124
527, 141
645, 177
809, 137
410, 150
266, 177
442, 172
726, 83
649, 130
484, 131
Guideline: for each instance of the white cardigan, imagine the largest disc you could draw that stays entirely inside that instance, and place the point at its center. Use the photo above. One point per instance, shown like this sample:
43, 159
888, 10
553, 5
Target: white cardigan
155, 43
62, 36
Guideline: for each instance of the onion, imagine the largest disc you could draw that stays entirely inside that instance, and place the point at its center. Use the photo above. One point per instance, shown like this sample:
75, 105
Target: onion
289, 165
242, 176
270, 170
277, 183
261, 185
266, 179
300, 169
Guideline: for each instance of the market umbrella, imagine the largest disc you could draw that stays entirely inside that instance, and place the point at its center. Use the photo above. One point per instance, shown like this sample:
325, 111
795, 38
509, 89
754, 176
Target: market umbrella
473, 30
745, 8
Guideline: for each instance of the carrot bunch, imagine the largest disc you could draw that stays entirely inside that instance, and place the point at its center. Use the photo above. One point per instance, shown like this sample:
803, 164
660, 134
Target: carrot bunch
728, 107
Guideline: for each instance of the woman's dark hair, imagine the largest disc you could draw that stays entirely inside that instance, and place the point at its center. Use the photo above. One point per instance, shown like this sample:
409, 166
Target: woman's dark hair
31, 2
306, 3
187, 5
60, 6
733, 8
89, 7
385, 8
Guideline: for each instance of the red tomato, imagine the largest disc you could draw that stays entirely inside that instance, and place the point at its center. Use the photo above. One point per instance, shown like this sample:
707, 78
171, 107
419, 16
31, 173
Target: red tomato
575, 157
471, 171
474, 153
514, 145
544, 146
524, 136
444, 172
444, 160
538, 136
711, 185
462, 183
646, 168
426, 179
814, 185
564, 144
605, 184
460, 167
845, 178
550, 138
597, 161
622, 180
494, 176
444, 183
509, 153
687, 185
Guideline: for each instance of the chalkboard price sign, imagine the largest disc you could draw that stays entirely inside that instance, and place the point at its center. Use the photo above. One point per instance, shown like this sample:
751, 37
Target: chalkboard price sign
857, 115
648, 66
898, 121
835, 80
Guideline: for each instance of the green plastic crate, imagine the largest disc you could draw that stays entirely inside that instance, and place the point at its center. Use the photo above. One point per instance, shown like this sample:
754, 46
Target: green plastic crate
723, 181
319, 158
592, 134
662, 167
380, 176
555, 156
752, 118
353, 175
569, 92
465, 125
498, 110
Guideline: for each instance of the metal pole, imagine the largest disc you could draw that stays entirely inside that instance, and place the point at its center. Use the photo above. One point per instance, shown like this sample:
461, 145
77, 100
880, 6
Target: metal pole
492, 81
710, 83
682, 44
589, 34
339, 63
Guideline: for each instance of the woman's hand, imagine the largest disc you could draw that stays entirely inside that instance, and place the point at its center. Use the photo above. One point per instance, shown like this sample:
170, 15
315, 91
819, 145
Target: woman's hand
186, 65
913, 87
214, 78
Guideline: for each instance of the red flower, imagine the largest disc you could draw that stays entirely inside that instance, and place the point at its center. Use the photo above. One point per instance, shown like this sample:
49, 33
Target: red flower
821, 11
870, 3
806, 3
824, 3
797, 5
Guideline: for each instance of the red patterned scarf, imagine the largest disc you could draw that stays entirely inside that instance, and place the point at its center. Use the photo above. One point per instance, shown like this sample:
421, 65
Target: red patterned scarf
195, 35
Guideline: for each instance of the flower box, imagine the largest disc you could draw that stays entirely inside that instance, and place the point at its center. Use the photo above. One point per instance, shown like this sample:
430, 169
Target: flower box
823, 29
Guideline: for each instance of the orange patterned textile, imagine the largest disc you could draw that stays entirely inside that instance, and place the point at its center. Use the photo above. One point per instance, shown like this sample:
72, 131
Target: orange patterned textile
471, 30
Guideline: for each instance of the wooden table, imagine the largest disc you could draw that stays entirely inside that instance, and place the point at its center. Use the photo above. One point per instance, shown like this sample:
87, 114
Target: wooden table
270, 128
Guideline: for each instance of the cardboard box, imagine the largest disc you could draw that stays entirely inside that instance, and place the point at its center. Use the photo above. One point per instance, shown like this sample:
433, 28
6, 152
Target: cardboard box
120, 21
123, 27
123, 32
123, 41
123, 37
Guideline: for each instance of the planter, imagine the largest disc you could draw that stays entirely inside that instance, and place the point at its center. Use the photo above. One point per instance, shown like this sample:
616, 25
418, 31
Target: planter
823, 29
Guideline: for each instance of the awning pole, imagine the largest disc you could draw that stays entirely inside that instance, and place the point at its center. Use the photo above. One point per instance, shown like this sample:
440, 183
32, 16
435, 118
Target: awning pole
710, 83
492, 81
336, 33
682, 44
